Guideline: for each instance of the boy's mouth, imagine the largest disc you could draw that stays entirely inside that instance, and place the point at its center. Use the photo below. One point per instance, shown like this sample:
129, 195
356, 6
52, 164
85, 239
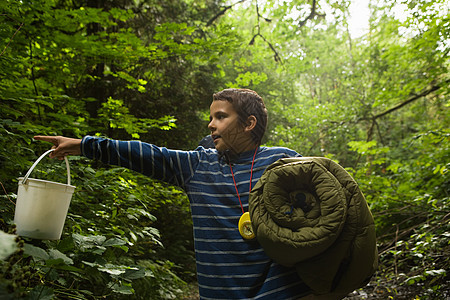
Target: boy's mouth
215, 137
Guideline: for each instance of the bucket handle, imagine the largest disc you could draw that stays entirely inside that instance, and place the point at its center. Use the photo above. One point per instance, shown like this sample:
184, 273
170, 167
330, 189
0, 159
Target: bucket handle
39, 159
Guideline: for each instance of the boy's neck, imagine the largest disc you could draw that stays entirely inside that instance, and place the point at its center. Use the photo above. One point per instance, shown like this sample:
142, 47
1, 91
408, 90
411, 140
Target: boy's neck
233, 156
242, 149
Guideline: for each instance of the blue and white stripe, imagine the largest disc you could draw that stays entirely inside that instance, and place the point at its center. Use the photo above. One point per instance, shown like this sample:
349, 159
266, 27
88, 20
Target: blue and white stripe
228, 267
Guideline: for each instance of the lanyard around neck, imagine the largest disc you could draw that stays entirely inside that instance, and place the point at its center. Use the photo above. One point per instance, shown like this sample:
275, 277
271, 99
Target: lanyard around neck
251, 175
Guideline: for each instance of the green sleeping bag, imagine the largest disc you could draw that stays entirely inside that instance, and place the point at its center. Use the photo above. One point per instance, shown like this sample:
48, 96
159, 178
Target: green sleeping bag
308, 212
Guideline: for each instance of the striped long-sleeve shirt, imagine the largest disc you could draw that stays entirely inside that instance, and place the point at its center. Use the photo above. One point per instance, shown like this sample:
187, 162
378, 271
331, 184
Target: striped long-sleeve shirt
228, 267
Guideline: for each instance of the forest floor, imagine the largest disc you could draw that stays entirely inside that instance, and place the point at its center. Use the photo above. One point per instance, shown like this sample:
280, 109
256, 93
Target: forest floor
372, 291
392, 289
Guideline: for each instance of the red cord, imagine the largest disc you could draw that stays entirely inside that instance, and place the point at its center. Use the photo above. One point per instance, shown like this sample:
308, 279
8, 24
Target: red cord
251, 170
237, 192
251, 175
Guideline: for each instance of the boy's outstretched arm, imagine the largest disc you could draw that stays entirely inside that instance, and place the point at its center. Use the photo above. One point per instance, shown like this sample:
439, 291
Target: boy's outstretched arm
63, 145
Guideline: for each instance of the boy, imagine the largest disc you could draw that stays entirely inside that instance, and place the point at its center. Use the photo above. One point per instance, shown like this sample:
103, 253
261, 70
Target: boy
230, 265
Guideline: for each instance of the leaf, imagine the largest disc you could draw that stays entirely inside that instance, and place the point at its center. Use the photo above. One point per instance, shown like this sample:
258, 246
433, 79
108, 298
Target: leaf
394, 167
123, 289
88, 241
66, 244
114, 242
8, 245
93, 243
124, 248
440, 272
414, 279
41, 292
36, 252
112, 269
129, 272
143, 212
134, 274
56, 254
361, 146
56, 264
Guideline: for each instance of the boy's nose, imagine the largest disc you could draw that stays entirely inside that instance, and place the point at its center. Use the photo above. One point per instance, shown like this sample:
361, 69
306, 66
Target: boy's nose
211, 126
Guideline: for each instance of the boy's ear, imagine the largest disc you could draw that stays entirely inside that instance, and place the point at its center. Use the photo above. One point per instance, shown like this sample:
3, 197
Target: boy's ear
250, 124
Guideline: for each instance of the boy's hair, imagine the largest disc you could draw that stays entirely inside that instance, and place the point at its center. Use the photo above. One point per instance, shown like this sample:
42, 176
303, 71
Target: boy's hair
247, 103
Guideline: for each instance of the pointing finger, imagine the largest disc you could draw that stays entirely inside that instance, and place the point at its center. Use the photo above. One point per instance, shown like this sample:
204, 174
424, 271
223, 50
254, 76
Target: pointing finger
50, 139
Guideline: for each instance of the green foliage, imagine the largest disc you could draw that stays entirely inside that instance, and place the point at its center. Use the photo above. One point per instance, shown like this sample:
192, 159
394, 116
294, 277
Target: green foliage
65, 68
411, 216
116, 115
109, 241
378, 104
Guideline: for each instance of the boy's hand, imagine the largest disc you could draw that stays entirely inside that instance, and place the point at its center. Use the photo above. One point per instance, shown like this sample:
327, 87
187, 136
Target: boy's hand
63, 146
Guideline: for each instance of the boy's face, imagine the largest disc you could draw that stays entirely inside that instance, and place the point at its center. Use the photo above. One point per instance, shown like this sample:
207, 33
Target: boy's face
226, 130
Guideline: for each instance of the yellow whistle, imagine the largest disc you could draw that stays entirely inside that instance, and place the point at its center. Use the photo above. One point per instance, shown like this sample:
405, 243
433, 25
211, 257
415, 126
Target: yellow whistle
245, 227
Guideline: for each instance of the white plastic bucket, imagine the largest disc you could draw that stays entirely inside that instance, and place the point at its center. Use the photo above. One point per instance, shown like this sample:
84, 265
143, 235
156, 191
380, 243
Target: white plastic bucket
41, 206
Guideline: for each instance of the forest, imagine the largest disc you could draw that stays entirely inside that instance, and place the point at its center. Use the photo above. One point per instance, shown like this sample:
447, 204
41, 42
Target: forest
377, 104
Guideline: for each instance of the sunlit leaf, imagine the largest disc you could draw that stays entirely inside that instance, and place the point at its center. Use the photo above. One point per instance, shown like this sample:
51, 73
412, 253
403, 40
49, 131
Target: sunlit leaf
8, 245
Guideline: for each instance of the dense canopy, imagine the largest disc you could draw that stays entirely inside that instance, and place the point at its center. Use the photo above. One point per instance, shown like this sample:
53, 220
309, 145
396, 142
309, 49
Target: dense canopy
378, 104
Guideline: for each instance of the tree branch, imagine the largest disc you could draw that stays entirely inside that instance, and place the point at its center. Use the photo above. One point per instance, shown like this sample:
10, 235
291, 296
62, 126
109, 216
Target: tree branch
252, 41
222, 12
10, 40
413, 98
373, 119
311, 15
276, 56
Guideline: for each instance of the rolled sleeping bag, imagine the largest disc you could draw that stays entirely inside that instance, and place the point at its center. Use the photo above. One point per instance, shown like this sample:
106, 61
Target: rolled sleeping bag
308, 212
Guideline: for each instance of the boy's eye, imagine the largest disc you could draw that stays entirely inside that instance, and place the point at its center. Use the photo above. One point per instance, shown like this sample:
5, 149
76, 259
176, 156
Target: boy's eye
218, 117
